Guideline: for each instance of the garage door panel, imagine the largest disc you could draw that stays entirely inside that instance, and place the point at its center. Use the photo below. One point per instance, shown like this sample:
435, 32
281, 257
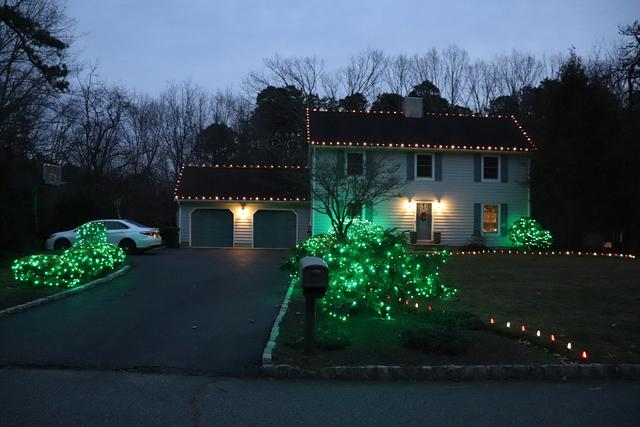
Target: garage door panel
274, 229
212, 228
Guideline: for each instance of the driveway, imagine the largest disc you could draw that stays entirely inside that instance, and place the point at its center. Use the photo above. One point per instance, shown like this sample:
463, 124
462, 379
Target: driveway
182, 310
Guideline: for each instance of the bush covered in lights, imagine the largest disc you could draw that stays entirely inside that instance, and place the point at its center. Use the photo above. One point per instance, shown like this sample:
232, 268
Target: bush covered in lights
90, 256
527, 233
371, 270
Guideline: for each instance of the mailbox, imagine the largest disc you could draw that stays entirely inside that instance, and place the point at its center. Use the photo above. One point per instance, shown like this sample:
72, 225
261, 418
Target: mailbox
314, 276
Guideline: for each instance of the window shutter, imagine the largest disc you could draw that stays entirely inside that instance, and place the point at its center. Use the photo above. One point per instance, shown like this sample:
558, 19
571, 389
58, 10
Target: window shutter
411, 158
504, 219
437, 160
340, 164
369, 159
504, 168
477, 167
477, 218
368, 212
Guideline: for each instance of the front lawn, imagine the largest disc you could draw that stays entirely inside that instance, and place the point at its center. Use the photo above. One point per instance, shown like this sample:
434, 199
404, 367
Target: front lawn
592, 301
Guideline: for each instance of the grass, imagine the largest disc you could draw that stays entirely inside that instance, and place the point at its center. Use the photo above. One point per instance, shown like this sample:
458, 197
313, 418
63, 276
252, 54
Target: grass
13, 293
591, 301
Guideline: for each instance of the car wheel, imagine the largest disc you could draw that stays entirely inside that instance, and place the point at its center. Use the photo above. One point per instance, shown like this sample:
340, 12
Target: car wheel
128, 246
61, 244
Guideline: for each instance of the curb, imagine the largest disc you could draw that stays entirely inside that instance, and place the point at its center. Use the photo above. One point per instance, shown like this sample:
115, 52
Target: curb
267, 354
458, 372
60, 295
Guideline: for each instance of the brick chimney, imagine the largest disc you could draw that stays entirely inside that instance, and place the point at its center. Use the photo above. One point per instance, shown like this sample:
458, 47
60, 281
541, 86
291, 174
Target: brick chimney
412, 107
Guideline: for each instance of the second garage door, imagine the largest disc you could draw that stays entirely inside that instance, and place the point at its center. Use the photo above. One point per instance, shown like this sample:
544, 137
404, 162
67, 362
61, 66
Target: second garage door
274, 229
212, 228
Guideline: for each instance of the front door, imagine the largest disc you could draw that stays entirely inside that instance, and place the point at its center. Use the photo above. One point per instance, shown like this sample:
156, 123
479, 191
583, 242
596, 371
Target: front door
423, 221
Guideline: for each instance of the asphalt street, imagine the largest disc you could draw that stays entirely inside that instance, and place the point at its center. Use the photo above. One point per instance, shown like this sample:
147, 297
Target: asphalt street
77, 398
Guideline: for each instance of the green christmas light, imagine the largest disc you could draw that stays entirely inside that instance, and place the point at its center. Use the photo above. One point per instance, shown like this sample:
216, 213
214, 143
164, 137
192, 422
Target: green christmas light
527, 233
371, 270
90, 256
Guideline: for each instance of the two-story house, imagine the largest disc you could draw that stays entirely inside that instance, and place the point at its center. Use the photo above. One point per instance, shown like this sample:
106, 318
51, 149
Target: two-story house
459, 175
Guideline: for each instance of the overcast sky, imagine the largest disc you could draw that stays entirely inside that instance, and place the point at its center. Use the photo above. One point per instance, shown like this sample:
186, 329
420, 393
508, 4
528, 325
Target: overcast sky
142, 44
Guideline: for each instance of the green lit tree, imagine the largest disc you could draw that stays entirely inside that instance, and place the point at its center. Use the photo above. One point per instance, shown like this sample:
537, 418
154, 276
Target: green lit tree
527, 233
372, 271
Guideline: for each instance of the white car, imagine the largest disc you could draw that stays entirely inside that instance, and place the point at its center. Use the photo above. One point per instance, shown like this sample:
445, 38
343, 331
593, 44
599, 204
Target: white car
130, 236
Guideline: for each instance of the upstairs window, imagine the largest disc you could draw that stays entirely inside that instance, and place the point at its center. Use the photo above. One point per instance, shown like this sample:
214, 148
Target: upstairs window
424, 166
355, 164
490, 168
354, 210
489, 218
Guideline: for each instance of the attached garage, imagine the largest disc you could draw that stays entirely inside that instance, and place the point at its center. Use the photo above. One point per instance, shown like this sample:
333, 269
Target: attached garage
242, 206
274, 229
212, 228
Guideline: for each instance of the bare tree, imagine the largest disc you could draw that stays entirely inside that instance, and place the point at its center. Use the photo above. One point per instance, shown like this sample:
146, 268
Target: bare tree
428, 66
399, 75
341, 197
519, 70
629, 60
364, 73
185, 113
142, 135
98, 113
303, 73
454, 64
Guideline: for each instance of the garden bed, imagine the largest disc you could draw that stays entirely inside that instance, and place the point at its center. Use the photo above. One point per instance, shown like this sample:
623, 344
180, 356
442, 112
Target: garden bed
13, 293
590, 301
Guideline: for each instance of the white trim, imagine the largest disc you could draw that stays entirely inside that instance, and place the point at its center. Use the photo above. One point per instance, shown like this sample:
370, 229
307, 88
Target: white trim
179, 223
482, 178
346, 161
233, 225
253, 224
415, 167
415, 219
490, 233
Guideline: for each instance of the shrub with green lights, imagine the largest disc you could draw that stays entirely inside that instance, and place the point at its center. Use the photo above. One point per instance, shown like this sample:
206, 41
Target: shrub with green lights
371, 270
527, 233
89, 257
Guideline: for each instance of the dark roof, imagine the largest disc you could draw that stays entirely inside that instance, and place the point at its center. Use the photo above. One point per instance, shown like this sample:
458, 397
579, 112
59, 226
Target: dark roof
434, 131
240, 182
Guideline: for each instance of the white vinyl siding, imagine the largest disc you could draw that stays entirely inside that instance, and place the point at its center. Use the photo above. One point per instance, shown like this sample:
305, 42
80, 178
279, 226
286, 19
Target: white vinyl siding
458, 193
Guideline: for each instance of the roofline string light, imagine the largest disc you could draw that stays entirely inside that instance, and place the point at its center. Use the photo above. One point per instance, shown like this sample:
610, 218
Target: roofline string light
415, 145
177, 197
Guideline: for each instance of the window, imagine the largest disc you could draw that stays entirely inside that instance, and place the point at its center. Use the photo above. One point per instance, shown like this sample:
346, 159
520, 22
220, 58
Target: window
114, 225
424, 166
489, 218
354, 210
355, 163
490, 168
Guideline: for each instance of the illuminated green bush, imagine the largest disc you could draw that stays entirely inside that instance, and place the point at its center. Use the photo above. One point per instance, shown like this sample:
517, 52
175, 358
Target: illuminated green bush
527, 233
372, 271
89, 257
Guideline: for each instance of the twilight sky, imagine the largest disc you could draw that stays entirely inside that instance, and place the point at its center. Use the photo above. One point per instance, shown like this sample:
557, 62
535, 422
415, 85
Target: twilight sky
142, 44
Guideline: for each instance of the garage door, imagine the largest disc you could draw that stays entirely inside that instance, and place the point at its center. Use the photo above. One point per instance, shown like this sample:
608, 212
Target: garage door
212, 228
274, 229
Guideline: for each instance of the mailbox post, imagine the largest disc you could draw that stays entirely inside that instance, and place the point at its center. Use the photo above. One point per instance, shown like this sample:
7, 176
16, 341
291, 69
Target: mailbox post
314, 279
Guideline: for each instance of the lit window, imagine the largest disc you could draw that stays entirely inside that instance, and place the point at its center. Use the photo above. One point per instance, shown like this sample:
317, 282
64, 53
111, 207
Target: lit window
490, 166
424, 165
355, 163
489, 218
